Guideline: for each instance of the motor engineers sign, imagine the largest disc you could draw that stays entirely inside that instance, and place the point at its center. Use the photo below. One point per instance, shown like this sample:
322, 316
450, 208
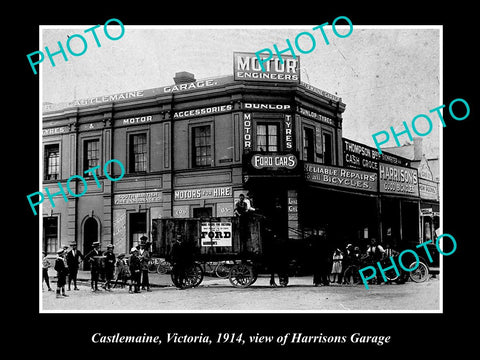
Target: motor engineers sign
246, 67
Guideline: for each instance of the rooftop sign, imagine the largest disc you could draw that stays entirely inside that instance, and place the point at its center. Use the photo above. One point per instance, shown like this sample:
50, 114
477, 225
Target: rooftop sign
247, 68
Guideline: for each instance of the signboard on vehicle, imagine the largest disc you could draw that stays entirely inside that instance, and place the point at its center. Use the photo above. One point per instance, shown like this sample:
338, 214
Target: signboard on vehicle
216, 234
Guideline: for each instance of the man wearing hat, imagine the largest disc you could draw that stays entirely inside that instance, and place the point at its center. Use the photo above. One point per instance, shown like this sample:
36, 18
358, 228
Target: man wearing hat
93, 257
73, 258
144, 255
135, 268
62, 272
109, 267
181, 257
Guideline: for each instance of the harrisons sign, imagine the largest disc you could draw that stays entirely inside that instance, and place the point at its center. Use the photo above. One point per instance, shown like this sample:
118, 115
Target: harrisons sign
398, 180
341, 177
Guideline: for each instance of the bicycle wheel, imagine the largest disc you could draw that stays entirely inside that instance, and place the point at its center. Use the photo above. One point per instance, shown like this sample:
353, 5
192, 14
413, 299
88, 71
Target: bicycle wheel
420, 274
222, 270
152, 266
163, 267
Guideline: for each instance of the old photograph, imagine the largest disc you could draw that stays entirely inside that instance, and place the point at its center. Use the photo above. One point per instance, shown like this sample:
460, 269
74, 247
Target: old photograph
240, 168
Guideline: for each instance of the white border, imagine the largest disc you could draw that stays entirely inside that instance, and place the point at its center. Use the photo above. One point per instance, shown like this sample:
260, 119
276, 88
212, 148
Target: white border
40, 209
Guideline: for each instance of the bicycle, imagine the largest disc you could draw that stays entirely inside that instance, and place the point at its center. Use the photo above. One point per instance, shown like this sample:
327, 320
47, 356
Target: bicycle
152, 265
163, 266
222, 269
159, 266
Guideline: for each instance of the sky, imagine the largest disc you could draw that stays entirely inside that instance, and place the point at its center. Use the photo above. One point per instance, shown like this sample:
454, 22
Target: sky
385, 74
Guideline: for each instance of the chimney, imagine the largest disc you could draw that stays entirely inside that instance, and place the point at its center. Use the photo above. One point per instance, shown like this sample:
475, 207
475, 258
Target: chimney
417, 148
183, 77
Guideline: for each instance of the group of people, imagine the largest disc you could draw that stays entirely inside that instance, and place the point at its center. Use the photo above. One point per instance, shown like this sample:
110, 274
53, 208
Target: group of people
104, 266
329, 266
66, 265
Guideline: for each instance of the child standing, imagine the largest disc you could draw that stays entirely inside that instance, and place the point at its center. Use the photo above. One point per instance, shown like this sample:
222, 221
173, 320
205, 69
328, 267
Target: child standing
122, 271
337, 265
62, 271
45, 266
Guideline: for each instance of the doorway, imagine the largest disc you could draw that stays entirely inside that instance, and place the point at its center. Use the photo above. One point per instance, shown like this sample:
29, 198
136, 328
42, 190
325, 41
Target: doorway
90, 235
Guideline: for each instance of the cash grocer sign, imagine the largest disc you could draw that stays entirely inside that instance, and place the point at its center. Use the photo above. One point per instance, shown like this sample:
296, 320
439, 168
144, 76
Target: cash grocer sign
247, 68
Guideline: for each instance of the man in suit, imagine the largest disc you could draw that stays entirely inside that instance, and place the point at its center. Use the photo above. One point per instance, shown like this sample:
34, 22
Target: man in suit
109, 267
144, 255
93, 257
73, 260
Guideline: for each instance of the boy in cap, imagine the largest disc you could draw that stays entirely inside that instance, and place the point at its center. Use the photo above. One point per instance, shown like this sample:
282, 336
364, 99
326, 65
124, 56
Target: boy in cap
109, 267
62, 272
135, 268
73, 258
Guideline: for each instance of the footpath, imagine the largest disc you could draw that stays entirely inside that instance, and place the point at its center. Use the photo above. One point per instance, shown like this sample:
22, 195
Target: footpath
164, 280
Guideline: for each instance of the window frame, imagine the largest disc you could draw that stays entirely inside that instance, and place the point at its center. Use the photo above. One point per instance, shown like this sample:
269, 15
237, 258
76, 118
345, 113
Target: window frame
130, 155
267, 123
45, 242
193, 147
332, 147
85, 160
45, 161
312, 146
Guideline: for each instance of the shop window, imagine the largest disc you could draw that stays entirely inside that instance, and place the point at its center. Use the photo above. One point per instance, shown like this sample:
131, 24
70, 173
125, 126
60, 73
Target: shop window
267, 137
91, 155
327, 148
52, 162
138, 153
50, 234
201, 146
203, 212
138, 227
308, 145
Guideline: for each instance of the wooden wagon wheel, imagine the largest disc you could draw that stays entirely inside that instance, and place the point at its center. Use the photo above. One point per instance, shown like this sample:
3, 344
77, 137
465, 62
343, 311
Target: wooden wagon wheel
241, 275
194, 276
